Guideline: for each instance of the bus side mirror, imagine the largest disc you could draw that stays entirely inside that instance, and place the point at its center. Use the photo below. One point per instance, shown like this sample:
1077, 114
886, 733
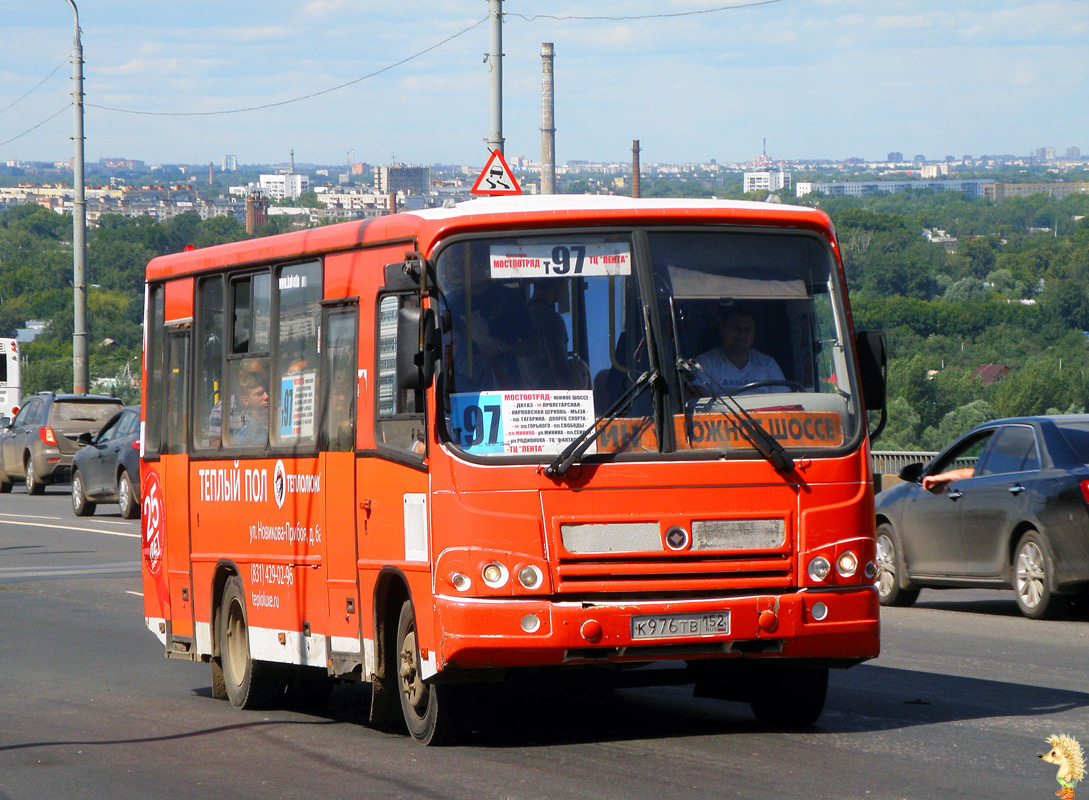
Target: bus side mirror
872, 350
417, 348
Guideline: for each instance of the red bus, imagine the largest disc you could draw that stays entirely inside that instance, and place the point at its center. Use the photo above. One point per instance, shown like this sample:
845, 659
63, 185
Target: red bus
436, 449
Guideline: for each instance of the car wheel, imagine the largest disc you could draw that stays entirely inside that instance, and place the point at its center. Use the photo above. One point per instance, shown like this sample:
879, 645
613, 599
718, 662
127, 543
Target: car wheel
80, 504
5, 485
1032, 571
890, 569
34, 484
130, 506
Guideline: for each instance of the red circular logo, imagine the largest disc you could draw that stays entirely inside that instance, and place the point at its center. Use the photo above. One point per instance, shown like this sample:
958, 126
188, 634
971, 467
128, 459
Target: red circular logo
152, 517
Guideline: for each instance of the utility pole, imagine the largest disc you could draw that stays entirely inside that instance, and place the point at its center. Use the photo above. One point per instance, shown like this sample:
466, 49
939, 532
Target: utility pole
79, 223
495, 68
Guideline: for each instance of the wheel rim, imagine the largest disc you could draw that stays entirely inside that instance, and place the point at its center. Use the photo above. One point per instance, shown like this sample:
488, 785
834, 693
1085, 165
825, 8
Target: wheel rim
236, 644
1030, 575
123, 493
412, 686
77, 492
886, 565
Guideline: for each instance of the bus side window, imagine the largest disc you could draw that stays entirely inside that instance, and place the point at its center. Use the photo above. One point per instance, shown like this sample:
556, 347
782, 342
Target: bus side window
400, 424
246, 418
208, 421
153, 406
294, 388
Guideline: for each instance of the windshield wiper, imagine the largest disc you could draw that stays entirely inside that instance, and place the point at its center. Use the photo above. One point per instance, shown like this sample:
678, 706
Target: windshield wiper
582, 443
764, 443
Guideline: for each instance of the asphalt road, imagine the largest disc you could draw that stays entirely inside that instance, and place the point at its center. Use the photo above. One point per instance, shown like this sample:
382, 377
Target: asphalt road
958, 705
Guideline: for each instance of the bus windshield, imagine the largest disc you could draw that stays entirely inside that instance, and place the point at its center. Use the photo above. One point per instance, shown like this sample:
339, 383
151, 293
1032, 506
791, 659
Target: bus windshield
544, 334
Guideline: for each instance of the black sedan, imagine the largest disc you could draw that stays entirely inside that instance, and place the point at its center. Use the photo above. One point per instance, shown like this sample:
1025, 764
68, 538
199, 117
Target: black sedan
107, 467
1007, 506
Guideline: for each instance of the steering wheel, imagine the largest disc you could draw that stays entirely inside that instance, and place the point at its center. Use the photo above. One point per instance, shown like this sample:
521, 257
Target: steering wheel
793, 386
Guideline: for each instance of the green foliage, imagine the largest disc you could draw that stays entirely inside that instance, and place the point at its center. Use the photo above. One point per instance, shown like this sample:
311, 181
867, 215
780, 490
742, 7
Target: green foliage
36, 283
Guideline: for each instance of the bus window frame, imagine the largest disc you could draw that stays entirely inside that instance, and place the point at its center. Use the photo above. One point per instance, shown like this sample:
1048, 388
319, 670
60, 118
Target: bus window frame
399, 455
198, 334
347, 306
154, 343
276, 269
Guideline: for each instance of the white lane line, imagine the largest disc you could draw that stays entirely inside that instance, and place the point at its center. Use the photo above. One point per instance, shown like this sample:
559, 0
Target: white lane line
73, 528
135, 594
57, 572
27, 516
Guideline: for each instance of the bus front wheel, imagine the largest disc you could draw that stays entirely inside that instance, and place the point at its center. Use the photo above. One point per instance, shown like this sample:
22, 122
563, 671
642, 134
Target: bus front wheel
432, 713
245, 680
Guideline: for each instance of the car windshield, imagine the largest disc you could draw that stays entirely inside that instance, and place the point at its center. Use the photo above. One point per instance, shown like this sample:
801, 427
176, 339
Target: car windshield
543, 334
83, 411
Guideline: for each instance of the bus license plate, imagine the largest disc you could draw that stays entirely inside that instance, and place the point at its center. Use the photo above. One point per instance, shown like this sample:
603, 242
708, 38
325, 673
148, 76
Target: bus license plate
661, 626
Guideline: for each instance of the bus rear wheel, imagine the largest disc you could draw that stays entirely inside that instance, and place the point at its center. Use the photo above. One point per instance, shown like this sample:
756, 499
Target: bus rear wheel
433, 714
789, 696
247, 682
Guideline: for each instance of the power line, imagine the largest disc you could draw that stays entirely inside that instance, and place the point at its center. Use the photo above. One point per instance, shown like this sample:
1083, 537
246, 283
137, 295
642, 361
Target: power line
43, 80
632, 17
28, 130
435, 46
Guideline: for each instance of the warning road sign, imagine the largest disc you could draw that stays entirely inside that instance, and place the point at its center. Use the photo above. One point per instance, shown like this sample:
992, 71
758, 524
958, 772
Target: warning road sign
496, 178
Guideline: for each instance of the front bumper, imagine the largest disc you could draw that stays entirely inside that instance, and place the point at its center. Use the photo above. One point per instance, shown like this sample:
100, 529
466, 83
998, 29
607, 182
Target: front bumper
565, 632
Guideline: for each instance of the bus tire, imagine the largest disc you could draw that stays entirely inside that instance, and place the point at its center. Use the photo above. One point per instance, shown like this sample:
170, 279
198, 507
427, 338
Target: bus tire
219, 686
81, 506
432, 713
247, 682
790, 697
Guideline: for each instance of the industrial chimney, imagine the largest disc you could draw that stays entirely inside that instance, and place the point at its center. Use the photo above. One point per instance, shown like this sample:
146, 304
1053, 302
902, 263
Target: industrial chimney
548, 124
635, 168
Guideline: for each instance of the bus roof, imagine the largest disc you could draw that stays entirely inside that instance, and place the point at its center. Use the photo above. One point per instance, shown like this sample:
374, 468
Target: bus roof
421, 229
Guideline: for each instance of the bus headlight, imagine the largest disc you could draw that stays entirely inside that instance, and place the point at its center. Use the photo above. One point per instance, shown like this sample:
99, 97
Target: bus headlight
819, 568
530, 577
494, 574
846, 564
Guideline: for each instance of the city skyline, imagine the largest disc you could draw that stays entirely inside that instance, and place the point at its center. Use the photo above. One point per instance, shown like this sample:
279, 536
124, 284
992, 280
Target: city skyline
832, 79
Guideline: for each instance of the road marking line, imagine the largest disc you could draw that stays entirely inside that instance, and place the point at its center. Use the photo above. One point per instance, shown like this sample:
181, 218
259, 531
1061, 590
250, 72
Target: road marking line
42, 572
27, 516
73, 528
135, 594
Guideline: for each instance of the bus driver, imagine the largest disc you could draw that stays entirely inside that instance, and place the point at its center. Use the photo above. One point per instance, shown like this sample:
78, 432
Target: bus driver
735, 363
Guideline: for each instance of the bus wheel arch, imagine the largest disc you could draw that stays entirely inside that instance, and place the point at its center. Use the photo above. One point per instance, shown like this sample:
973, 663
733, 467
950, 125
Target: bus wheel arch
391, 592
223, 571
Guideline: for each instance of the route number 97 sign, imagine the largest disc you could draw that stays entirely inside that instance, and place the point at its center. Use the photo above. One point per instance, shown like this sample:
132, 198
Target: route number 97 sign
560, 259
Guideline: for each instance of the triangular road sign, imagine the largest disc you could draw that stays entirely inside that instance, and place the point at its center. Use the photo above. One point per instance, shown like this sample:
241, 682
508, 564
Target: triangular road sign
496, 177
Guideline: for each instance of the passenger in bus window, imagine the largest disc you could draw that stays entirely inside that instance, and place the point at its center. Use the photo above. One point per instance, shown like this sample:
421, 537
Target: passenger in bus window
734, 363
253, 399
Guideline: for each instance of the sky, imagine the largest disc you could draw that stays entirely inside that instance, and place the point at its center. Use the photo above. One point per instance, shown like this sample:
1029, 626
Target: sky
693, 80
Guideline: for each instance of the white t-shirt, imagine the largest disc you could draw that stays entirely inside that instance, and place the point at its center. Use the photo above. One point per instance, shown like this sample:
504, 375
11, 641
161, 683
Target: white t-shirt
721, 370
